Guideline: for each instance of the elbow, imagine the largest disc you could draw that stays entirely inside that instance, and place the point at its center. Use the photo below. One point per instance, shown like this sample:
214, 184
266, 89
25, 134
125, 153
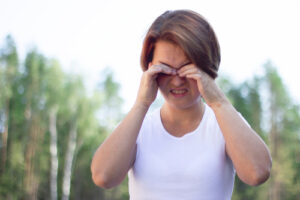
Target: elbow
260, 175
259, 178
106, 177
101, 180
100, 177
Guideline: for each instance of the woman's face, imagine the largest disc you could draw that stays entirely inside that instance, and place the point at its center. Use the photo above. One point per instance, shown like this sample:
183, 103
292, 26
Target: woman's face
177, 91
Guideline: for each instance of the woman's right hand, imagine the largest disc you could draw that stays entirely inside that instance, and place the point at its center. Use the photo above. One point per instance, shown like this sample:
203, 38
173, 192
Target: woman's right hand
148, 87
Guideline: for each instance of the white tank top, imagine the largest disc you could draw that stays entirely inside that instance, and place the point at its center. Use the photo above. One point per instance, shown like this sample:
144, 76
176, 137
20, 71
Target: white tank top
192, 167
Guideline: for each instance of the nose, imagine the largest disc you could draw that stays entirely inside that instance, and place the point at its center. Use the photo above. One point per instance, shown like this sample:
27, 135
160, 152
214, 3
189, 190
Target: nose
177, 81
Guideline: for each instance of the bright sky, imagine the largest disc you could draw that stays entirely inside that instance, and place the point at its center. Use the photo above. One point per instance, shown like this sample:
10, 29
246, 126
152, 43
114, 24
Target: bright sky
88, 35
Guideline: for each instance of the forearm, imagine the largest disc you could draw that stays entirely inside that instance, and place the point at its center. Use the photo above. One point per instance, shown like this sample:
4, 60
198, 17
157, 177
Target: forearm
246, 149
115, 156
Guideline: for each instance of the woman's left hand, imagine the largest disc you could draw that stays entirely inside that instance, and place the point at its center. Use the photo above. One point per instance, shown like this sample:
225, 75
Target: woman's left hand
207, 86
248, 152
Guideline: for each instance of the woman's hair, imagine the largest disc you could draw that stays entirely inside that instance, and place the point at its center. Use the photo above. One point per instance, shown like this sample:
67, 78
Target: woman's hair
191, 32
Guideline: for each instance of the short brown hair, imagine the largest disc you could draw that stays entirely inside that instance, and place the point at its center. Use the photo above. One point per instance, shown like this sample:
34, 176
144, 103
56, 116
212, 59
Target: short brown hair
191, 32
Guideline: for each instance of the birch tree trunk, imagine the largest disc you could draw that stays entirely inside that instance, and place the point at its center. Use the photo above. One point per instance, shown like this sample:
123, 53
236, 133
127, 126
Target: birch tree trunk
69, 162
53, 152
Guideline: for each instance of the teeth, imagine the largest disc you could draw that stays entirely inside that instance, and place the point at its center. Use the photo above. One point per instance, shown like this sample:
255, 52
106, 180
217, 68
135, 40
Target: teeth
178, 91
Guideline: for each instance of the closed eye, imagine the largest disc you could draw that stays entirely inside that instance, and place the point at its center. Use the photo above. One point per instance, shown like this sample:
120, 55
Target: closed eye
163, 75
186, 63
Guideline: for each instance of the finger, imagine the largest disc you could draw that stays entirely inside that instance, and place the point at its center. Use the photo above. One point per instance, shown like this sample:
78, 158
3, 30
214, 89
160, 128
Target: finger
191, 70
167, 70
197, 79
194, 76
160, 68
186, 67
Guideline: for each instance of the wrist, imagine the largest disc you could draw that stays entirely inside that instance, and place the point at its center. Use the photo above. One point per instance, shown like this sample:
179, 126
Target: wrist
220, 104
142, 105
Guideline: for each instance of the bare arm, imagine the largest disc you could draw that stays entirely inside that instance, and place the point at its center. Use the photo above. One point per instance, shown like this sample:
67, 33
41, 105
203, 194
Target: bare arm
246, 149
248, 152
116, 154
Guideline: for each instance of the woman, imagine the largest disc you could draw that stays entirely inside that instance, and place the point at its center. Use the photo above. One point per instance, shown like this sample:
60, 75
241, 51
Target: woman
187, 149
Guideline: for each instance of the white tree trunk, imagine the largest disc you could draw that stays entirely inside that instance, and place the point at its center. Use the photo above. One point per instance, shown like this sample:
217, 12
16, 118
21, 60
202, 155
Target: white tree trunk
69, 162
53, 152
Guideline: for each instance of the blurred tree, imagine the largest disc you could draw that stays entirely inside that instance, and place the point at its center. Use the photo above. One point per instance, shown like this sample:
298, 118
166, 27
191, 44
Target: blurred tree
267, 106
34, 81
110, 112
104, 102
54, 97
74, 95
8, 73
41, 97
284, 126
109, 115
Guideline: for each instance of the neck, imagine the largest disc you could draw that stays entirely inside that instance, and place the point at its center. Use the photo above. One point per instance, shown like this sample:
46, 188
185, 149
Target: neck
182, 115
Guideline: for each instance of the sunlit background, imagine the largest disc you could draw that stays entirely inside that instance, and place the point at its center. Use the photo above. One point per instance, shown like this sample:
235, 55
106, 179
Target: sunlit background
70, 71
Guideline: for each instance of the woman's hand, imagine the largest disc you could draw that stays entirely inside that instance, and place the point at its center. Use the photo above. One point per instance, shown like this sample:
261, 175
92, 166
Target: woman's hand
249, 153
109, 171
148, 87
207, 86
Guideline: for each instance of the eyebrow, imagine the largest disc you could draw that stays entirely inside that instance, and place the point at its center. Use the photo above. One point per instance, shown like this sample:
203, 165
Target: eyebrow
186, 63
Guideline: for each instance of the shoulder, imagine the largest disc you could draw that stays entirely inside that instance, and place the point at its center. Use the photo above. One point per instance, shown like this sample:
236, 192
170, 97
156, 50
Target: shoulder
209, 116
210, 126
152, 116
150, 121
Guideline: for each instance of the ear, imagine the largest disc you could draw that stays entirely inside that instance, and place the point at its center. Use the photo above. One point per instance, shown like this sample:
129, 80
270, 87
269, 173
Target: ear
149, 64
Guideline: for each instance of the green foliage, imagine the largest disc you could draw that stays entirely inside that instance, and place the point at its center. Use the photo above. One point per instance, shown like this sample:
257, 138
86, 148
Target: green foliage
32, 89
110, 112
267, 106
8, 68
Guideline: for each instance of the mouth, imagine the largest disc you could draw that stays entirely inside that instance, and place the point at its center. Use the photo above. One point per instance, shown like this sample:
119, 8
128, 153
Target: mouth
179, 92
